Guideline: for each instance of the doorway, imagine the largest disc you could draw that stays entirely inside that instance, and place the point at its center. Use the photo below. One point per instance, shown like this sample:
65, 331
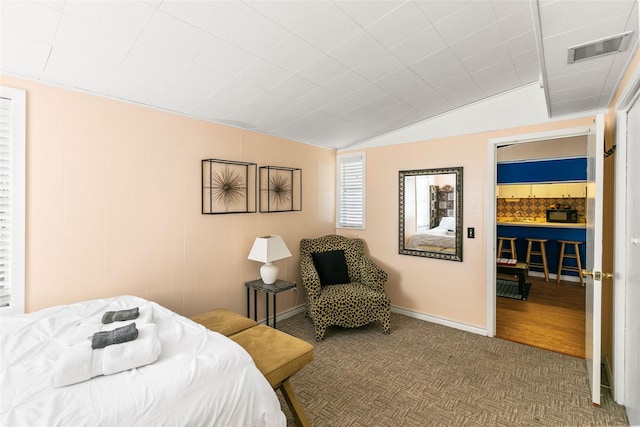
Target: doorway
553, 316
491, 207
593, 241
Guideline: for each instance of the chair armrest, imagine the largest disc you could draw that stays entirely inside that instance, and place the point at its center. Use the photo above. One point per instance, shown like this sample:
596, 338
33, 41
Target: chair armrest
371, 274
310, 278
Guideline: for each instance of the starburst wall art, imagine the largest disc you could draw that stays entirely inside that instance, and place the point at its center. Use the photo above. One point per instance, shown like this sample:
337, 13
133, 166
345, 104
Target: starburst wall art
280, 189
228, 187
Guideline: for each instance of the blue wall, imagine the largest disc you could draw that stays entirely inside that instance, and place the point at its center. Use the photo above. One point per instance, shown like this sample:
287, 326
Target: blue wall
574, 169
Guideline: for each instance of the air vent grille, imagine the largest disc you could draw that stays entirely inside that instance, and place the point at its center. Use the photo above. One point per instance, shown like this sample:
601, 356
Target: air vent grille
599, 47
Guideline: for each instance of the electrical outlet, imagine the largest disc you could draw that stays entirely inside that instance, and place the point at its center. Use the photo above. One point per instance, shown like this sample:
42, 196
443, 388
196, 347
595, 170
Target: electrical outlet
471, 232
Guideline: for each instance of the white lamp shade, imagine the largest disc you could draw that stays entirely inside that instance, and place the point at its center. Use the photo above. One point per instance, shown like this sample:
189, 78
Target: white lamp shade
268, 249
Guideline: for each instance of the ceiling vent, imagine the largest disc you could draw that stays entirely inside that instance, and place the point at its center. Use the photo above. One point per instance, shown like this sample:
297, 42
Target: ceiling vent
599, 47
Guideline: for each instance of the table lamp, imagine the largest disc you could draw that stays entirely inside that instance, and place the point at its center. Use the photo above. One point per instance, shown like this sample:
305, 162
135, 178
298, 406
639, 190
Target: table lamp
268, 249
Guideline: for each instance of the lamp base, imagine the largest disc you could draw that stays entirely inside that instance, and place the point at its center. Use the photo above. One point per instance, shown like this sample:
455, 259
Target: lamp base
269, 273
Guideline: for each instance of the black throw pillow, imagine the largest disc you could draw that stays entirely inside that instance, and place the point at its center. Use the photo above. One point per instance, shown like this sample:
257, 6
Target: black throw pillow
331, 267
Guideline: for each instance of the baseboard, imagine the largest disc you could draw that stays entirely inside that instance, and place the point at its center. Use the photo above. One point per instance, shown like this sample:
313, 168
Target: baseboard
610, 377
286, 314
553, 277
440, 321
409, 313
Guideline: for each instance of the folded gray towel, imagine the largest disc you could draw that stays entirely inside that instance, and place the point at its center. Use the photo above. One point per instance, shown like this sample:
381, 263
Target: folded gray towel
116, 336
120, 315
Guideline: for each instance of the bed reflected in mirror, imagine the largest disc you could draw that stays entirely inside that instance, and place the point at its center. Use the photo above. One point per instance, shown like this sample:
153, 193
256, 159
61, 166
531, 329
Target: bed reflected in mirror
431, 213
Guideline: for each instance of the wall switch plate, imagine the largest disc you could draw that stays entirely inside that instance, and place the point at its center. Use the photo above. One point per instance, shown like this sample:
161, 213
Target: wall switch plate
471, 233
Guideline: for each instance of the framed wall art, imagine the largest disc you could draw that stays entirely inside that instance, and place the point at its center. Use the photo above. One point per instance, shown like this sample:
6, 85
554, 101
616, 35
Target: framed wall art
280, 189
228, 187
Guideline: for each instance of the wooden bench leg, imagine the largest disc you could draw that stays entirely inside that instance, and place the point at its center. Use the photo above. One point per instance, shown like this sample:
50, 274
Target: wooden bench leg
294, 404
276, 354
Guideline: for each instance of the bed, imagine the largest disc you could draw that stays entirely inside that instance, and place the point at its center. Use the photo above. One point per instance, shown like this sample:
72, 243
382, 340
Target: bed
200, 377
442, 236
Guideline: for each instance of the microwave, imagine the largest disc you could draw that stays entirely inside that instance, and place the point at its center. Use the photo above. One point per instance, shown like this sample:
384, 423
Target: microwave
562, 215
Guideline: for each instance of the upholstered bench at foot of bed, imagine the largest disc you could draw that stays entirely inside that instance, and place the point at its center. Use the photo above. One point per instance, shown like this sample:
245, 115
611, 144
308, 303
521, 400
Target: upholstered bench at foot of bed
224, 321
277, 354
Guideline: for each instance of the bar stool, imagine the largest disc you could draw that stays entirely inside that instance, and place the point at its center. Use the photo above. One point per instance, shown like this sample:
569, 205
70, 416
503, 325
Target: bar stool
511, 250
575, 255
542, 253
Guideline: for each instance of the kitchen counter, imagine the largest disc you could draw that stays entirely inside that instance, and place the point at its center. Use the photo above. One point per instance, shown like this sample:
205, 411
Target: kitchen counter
536, 223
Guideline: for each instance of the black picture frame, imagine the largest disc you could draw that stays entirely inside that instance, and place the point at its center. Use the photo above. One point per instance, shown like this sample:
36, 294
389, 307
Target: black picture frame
280, 189
228, 187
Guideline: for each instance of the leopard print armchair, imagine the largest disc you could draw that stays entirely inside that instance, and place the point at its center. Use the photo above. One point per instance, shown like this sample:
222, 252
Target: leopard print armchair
361, 301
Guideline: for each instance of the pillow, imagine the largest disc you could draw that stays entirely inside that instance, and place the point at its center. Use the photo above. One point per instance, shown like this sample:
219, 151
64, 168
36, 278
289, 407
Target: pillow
331, 267
448, 223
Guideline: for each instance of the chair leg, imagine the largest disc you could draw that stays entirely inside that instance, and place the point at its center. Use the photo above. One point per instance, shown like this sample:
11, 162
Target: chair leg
529, 247
544, 261
577, 246
562, 245
512, 245
320, 330
385, 319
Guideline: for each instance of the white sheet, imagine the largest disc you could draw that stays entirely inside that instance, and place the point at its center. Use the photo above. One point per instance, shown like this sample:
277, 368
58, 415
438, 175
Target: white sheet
437, 236
201, 378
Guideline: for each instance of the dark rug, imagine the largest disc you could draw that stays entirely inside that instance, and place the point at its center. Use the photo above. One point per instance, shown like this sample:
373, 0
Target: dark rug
509, 289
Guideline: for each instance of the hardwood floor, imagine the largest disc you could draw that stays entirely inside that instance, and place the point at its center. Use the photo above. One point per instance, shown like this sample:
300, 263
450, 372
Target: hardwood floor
551, 318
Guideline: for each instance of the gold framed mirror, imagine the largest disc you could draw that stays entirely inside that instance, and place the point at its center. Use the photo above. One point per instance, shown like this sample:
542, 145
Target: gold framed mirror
430, 217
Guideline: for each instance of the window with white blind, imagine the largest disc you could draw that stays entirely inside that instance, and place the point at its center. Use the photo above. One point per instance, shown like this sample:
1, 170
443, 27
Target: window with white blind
350, 191
12, 200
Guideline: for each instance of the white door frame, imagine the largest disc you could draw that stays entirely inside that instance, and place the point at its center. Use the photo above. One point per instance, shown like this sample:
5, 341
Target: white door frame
625, 101
491, 205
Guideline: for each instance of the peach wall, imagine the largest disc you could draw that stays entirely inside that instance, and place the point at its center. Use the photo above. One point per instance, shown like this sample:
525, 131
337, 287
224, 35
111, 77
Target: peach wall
114, 199
104, 219
449, 290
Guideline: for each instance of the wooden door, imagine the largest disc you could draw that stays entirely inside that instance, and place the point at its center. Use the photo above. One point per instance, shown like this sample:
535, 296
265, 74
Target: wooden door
593, 282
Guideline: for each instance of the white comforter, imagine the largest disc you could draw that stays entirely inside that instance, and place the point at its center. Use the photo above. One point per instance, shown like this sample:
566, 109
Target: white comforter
437, 236
201, 378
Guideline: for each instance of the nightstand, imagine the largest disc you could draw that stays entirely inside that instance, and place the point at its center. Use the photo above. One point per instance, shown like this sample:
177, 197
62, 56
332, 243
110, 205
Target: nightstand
273, 289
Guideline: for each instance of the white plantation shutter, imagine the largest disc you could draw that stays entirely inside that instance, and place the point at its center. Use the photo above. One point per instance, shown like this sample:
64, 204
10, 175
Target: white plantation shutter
12, 200
350, 192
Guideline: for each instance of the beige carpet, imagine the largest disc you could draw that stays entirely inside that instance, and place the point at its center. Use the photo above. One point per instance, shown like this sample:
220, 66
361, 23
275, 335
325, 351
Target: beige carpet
424, 374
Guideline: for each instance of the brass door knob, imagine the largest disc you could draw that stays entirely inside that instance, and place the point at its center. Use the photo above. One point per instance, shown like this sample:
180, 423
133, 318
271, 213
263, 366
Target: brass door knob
597, 275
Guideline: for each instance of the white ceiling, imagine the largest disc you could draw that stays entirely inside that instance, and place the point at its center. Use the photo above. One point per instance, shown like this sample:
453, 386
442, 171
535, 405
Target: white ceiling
329, 73
587, 85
